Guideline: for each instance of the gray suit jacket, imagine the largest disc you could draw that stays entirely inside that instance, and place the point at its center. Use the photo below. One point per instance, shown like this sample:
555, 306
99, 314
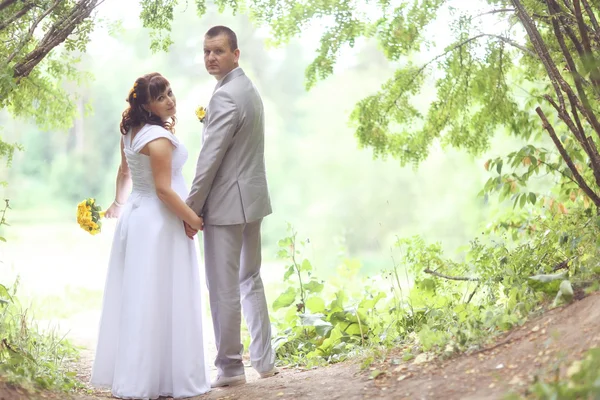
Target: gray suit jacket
230, 186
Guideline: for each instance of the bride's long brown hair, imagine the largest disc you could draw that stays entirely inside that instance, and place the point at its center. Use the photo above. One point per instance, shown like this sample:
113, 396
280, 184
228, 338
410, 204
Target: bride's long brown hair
146, 89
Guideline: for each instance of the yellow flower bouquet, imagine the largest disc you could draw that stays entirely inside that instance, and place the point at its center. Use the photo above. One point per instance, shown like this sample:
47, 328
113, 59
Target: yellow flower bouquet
88, 216
201, 113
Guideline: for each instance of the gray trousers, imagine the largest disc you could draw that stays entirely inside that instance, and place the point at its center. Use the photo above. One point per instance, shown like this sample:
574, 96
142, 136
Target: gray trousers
232, 255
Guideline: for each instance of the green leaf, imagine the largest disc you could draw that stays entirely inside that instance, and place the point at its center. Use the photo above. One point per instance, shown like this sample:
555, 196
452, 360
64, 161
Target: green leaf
288, 273
314, 286
282, 253
354, 329
285, 242
368, 304
315, 304
322, 327
2, 239
337, 305
532, 198
523, 200
285, 299
516, 201
306, 266
335, 336
4, 293
499, 166
291, 316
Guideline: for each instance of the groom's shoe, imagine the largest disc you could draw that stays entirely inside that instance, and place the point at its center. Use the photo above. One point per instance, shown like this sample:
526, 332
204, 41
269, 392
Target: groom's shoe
270, 373
222, 381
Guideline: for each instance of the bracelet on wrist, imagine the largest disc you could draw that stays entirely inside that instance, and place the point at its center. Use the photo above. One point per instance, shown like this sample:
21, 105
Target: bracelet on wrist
117, 203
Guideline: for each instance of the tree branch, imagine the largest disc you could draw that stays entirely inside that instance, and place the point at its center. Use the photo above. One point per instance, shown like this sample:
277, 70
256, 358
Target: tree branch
6, 3
500, 10
513, 44
580, 181
551, 168
31, 31
17, 15
57, 34
557, 80
458, 46
568, 4
594, 73
592, 16
541, 50
473, 292
579, 132
450, 278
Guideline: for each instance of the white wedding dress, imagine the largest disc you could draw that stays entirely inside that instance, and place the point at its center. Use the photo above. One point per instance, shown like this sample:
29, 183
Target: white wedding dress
150, 341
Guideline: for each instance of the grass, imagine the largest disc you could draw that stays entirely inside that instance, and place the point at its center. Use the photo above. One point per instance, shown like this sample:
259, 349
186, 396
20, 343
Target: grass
30, 356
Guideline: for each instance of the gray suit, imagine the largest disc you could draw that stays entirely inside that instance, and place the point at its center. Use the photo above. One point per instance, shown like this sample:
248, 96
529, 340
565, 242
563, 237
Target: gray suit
230, 191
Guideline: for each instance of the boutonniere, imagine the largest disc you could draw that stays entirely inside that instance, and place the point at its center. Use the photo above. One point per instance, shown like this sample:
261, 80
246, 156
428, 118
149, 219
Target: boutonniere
201, 113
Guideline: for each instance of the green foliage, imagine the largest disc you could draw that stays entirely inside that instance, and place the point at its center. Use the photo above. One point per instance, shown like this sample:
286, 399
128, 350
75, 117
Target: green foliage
30, 356
32, 75
506, 281
319, 322
7, 151
430, 303
495, 70
531, 161
485, 80
158, 15
3, 218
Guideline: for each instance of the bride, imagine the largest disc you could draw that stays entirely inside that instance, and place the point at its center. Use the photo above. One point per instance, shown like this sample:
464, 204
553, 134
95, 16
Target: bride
150, 341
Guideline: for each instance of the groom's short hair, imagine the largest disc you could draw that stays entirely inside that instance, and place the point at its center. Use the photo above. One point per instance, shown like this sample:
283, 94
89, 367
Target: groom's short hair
223, 30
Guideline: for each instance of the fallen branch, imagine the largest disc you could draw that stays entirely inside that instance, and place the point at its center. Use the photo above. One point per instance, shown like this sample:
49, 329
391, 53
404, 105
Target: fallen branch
473, 292
450, 278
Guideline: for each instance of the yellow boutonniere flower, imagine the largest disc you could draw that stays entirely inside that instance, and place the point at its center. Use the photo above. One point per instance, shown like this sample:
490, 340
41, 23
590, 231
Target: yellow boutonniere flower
201, 113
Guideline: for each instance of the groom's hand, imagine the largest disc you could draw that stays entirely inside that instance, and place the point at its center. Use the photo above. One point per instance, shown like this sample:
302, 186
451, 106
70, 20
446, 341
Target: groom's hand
189, 231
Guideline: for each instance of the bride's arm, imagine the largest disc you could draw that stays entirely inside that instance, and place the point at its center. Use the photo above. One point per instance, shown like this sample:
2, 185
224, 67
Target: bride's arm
161, 152
123, 187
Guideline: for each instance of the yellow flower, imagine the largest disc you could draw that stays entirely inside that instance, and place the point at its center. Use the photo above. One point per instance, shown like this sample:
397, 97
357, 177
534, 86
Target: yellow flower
89, 215
201, 113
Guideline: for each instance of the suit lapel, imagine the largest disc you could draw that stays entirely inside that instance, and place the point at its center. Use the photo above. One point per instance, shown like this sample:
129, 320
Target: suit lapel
229, 77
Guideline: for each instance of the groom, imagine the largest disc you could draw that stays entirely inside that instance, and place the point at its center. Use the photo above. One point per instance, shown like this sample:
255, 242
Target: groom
230, 192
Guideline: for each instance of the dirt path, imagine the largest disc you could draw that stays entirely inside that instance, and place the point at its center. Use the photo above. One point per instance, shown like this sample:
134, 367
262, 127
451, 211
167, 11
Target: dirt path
545, 343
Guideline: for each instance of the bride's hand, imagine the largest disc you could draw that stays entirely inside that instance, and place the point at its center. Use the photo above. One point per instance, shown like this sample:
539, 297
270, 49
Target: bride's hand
197, 223
114, 211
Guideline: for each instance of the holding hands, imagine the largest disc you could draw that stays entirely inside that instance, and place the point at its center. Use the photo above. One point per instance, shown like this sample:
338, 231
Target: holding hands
192, 229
